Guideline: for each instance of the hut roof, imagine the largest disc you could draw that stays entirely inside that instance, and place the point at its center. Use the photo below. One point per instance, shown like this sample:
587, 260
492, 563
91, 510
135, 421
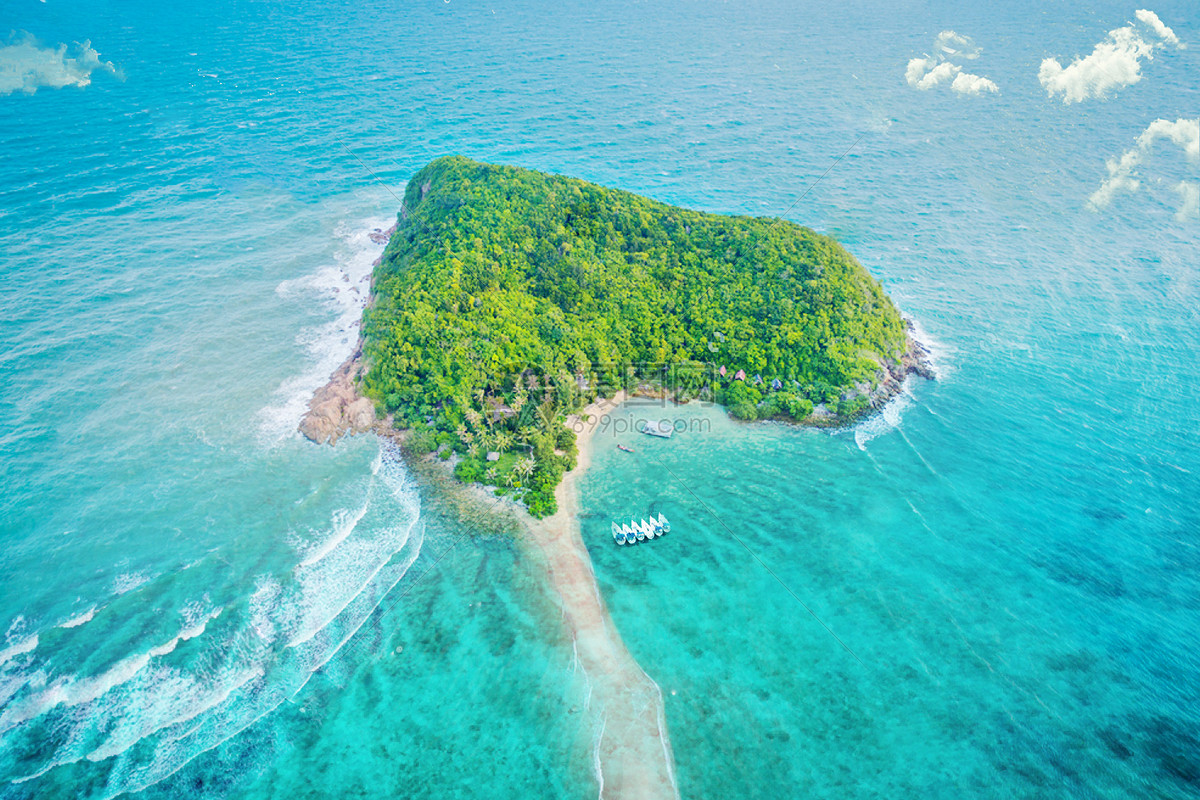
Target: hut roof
497, 409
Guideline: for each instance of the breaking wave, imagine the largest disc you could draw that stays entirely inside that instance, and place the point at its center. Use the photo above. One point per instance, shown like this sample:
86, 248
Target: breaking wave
887, 419
79, 619
343, 287
145, 715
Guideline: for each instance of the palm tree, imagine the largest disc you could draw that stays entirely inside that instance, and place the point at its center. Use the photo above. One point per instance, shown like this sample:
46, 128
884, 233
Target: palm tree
526, 466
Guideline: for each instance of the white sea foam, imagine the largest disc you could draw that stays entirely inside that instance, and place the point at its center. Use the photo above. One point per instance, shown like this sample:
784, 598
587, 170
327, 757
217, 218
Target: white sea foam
890, 416
79, 619
127, 582
173, 753
190, 632
331, 586
188, 696
343, 288
344, 522
13, 681
241, 675
597, 768
887, 419
24, 646
341, 577
76, 691
72, 691
264, 600
940, 354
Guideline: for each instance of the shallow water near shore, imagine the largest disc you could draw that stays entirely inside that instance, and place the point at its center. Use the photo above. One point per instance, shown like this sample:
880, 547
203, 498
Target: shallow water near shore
989, 590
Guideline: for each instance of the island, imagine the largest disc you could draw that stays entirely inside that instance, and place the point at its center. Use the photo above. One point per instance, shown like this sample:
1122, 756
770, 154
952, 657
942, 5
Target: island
508, 298
510, 307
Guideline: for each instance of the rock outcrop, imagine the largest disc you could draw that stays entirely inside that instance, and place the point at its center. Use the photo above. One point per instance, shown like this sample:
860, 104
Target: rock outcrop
915, 361
337, 408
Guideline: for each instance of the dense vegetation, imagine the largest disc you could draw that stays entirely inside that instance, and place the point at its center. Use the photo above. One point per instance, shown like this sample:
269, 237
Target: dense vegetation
508, 297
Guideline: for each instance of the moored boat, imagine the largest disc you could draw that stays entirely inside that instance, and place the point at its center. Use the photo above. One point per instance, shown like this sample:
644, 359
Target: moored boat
640, 530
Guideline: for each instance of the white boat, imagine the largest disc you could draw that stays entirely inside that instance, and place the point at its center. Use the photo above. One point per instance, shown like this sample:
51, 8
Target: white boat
630, 536
649, 529
640, 532
664, 523
618, 535
662, 429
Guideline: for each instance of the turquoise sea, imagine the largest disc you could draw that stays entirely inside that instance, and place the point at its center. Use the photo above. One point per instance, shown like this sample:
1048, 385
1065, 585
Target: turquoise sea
990, 590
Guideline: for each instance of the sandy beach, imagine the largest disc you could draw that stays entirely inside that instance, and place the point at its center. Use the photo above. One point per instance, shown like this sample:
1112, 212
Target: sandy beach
632, 748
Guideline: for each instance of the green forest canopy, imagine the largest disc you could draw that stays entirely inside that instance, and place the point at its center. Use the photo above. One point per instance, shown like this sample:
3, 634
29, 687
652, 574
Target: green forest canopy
508, 297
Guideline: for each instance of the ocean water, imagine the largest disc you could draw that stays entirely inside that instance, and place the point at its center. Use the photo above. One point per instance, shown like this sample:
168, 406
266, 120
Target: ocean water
988, 590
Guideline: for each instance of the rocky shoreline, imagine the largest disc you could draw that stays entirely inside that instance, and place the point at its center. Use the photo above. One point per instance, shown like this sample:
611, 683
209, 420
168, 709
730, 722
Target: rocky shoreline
917, 360
338, 408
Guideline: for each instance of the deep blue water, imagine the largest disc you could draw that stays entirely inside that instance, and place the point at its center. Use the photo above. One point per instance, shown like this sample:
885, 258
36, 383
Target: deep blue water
1011, 552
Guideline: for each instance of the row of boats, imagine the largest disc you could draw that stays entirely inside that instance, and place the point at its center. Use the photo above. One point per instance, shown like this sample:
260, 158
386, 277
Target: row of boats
634, 531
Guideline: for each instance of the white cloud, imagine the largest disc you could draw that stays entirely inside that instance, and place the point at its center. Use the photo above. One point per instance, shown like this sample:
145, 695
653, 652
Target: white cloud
27, 67
926, 72
1190, 192
939, 74
949, 44
916, 70
1122, 172
1155, 24
966, 83
1114, 63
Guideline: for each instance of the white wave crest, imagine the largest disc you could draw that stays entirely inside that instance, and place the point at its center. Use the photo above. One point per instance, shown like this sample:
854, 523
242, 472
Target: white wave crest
79, 619
939, 353
127, 582
341, 574
343, 288
76, 691
190, 697
155, 713
24, 646
887, 419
